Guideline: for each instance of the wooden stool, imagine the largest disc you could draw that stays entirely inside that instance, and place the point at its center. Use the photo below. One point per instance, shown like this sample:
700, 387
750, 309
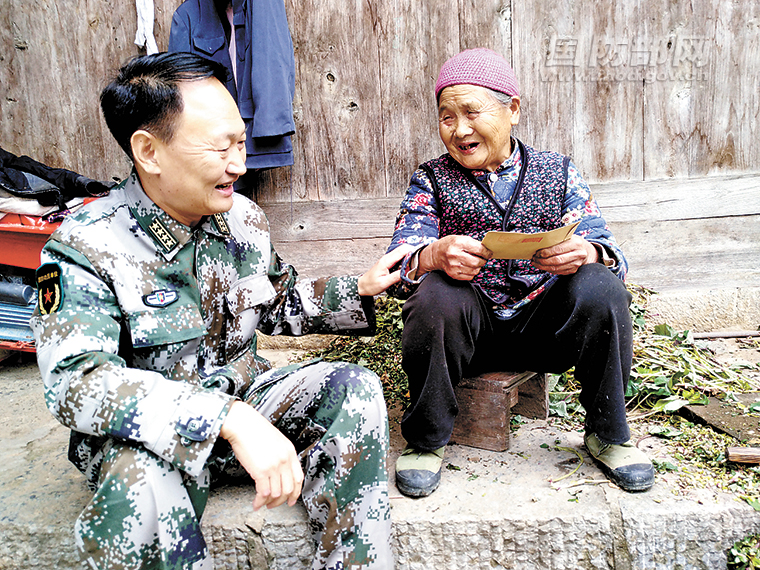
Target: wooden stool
486, 403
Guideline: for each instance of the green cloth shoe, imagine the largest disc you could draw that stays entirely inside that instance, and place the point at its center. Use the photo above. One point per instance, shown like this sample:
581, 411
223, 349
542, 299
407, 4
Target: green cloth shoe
626, 465
418, 473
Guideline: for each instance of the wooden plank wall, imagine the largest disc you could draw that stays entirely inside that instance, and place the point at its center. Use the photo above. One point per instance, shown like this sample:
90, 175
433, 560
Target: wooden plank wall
642, 90
700, 234
55, 57
638, 90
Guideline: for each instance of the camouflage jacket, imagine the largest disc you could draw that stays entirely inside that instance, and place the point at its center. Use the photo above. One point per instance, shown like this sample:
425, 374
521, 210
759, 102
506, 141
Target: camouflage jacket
146, 329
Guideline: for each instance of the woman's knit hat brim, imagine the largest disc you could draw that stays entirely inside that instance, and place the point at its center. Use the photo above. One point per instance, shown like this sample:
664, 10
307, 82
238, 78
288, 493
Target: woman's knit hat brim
480, 66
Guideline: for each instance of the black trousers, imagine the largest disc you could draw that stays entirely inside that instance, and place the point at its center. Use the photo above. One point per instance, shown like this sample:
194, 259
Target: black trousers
583, 320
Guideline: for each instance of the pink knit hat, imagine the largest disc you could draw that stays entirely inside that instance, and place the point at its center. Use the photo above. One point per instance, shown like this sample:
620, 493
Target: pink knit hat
479, 66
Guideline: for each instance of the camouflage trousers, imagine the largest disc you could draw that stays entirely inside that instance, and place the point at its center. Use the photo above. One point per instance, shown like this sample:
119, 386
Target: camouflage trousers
146, 513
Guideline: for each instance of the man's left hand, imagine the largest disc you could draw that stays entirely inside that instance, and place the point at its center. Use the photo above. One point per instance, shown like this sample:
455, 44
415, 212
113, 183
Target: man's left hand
379, 277
565, 258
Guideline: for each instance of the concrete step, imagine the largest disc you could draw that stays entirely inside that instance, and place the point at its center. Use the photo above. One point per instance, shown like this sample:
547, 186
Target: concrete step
493, 510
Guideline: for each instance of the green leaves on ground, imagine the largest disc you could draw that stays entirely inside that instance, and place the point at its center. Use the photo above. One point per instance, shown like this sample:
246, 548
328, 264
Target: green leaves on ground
670, 370
745, 554
381, 353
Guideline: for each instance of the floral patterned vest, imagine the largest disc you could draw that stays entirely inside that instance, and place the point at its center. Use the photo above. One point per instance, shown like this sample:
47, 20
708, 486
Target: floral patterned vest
467, 207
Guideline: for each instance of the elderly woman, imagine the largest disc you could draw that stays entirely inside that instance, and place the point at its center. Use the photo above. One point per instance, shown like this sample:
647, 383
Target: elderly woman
468, 313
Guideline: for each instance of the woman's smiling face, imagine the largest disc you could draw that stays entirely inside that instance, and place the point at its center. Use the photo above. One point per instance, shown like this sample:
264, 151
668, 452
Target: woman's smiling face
475, 127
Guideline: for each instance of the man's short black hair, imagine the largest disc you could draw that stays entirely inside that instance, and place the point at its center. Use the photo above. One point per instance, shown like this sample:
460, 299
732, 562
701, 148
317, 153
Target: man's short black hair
145, 94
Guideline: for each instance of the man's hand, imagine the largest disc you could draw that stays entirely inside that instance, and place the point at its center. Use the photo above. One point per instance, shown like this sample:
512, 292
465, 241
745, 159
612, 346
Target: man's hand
267, 455
379, 277
461, 257
565, 258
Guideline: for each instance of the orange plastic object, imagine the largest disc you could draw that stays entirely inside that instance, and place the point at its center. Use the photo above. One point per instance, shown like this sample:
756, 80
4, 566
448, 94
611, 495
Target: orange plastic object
19, 346
22, 238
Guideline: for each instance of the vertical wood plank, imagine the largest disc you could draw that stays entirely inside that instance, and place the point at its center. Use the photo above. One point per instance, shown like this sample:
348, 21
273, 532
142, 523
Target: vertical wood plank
414, 40
607, 140
340, 150
486, 23
547, 97
579, 93
701, 111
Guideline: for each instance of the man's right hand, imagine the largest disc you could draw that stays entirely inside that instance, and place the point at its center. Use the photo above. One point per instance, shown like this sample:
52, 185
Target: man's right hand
461, 257
266, 454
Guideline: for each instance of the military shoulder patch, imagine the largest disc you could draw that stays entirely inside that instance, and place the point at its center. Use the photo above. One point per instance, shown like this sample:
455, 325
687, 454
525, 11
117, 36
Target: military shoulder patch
49, 288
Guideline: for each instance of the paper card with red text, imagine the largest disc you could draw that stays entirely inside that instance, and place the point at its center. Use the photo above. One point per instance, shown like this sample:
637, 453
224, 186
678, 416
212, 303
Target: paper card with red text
515, 245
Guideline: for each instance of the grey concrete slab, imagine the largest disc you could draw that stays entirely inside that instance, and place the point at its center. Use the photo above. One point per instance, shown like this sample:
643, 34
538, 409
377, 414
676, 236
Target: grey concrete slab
493, 510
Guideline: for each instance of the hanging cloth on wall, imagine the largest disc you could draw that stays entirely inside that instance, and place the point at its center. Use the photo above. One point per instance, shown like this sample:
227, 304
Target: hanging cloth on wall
262, 80
144, 36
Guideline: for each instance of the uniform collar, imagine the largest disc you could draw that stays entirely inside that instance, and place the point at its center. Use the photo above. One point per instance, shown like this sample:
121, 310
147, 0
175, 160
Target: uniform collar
167, 234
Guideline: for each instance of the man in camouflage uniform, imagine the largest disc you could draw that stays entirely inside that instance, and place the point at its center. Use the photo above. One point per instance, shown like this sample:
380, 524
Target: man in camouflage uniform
149, 301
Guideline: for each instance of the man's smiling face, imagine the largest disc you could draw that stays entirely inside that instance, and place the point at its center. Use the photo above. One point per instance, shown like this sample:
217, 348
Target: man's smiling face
475, 127
204, 158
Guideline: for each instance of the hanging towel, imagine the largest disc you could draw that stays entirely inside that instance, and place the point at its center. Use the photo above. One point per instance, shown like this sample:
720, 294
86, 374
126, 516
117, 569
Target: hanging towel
144, 37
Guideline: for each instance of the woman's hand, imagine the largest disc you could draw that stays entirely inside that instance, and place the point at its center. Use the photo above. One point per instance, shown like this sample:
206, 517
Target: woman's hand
461, 257
565, 258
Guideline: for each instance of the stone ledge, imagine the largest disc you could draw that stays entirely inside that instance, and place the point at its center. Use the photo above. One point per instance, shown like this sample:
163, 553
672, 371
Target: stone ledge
707, 310
492, 510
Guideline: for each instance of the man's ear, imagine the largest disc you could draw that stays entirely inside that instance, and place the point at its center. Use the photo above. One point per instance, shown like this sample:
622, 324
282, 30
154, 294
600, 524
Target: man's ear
145, 151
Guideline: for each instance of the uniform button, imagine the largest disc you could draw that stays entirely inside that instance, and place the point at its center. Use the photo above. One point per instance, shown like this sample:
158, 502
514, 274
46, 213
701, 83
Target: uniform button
187, 442
493, 177
193, 425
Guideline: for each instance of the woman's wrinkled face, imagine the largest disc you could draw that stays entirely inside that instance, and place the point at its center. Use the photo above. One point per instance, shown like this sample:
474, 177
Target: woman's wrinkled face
475, 127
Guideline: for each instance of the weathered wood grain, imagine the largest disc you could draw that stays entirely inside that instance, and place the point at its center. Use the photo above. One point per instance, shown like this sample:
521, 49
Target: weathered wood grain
332, 257
701, 109
355, 219
547, 97
409, 63
692, 254
572, 100
340, 134
486, 23
688, 234
55, 57
364, 110
679, 199
743, 454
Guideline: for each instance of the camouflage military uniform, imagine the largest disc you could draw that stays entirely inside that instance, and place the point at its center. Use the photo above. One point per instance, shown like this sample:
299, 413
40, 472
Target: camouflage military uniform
146, 334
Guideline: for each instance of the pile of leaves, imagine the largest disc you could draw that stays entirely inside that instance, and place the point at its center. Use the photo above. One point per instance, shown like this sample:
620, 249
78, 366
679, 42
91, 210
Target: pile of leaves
669, 370
381, 353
